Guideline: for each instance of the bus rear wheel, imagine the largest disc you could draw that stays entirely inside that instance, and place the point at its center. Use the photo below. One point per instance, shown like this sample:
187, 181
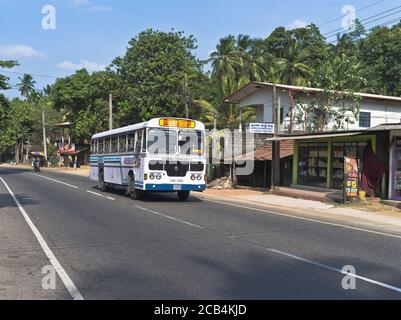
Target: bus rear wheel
132, 192
102, 185
183, 195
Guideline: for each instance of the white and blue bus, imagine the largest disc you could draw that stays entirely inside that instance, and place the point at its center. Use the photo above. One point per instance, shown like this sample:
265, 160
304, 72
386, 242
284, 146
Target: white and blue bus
161, 155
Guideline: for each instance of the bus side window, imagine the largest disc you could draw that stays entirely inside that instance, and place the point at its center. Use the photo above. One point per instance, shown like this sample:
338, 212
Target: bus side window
107, 145
101, 146
131, 142
114, 145
122, 143
138, 141
144, 141
92, 146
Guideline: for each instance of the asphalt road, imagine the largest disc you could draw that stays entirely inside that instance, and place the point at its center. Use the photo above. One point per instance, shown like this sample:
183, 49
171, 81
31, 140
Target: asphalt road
112, 247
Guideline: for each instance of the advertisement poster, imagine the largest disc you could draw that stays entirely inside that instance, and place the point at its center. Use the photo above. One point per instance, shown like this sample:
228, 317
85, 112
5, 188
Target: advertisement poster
351, 177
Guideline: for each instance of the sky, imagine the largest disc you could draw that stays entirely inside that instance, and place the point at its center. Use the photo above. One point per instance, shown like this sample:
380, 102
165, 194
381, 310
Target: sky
91, 33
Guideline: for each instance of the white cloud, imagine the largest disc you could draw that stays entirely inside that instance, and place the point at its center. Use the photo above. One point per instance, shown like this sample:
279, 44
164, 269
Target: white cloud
88, 6
297, 24
79, 3
99, 8
21, 51
88, 65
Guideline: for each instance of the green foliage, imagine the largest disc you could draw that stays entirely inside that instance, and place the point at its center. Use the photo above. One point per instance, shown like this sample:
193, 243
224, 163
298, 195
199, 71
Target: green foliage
7, 64
16, 123
380, 56
152, 72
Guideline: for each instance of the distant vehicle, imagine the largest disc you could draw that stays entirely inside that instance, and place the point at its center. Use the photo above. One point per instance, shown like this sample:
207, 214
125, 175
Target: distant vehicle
160, 155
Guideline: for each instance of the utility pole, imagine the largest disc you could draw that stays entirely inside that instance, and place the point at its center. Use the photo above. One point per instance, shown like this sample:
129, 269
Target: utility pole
186, 107
110, 111
275, 167
44, 134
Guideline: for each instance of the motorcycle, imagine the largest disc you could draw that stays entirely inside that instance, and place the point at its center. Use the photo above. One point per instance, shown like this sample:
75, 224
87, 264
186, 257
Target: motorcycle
36, 166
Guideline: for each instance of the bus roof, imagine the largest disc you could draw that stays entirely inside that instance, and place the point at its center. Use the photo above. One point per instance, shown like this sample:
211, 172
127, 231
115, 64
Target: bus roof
154, 123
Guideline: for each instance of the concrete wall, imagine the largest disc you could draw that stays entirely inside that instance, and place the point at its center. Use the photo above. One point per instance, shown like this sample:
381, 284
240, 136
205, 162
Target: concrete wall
382, 112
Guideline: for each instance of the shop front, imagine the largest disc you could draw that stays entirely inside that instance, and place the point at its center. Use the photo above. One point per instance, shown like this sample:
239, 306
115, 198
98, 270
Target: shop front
395, 165
319, 163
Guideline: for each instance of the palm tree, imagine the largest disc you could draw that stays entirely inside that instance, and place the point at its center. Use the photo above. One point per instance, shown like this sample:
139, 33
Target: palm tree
294, 68
225, 62
26, 85
226, 115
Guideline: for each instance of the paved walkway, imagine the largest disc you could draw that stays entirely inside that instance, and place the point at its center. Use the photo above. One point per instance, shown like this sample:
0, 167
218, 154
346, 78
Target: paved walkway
381, 216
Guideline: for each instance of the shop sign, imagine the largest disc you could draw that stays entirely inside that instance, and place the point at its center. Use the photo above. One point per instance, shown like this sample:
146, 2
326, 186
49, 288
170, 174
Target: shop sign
266, 128
351, 173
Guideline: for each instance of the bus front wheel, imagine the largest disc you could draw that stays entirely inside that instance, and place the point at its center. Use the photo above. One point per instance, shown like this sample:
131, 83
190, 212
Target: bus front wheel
132, 192
183, 195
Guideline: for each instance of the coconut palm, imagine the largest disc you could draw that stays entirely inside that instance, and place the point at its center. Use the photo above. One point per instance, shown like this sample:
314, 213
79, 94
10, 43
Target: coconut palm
227, 116
225, 62
294, 68
26, 85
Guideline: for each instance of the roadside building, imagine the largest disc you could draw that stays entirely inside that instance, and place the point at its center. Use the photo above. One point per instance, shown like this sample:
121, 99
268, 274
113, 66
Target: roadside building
318, 158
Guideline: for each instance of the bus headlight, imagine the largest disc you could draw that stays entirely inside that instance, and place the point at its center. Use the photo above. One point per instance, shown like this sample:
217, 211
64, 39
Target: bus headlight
158, 176
152, 176
199, 177
193, 177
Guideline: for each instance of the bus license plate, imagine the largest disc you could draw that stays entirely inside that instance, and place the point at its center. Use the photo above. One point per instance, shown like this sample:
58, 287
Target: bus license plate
177, 187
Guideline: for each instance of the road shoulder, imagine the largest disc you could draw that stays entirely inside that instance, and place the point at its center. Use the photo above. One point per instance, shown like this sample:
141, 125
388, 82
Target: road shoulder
308, 209
21, 257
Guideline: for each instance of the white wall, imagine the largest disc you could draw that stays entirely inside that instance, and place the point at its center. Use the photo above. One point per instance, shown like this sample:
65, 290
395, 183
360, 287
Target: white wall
382, 112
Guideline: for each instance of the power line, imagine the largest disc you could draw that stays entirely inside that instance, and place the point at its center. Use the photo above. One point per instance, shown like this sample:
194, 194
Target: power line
366, 19
34, 75
379, 25
361, 9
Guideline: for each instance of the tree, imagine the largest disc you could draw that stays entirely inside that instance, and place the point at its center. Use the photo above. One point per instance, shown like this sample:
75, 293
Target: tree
8, 64
16, 126
380, 58
339, 78
153, 73
26, 85
294, 68
226, 62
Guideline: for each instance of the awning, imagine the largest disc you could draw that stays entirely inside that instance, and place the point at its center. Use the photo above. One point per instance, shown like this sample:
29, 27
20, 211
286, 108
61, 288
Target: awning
315, 136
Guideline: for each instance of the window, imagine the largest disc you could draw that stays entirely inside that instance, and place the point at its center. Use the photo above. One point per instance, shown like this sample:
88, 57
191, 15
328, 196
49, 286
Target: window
114, 145
312, 165
93, 144
365, 119
138, 141
122, 144
107, 145
101, 146
190, 142
162, 141
131, 142
281, 115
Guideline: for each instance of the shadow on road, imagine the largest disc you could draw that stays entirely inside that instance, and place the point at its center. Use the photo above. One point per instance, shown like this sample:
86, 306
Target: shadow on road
151, 196
6, 201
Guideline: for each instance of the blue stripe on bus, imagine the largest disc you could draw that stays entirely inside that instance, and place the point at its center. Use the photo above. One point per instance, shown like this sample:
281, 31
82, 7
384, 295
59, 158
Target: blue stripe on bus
170, 187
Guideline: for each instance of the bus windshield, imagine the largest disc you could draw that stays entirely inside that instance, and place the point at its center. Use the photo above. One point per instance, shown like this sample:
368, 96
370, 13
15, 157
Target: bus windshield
162, 141
169, 141
190, 142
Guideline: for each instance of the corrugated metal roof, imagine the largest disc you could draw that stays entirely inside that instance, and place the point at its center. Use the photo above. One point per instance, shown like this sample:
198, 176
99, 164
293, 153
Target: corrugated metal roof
254, 86
264, 153
316, 136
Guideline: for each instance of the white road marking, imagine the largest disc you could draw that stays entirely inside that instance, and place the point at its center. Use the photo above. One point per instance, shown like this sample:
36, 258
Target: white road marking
100, 195
54, 180
169, 217
306, 219
72, 289
378, 283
